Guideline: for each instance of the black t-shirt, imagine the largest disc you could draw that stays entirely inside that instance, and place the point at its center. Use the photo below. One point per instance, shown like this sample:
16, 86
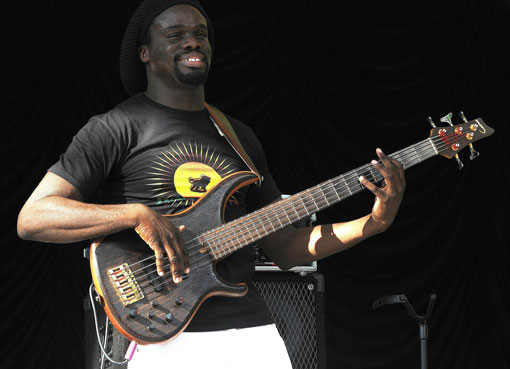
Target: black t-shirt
144, 152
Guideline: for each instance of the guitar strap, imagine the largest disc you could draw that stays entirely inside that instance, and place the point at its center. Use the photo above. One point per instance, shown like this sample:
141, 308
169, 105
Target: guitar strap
225, 129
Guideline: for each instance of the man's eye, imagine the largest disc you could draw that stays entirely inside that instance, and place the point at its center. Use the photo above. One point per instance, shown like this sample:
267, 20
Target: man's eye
202, 35
173, 35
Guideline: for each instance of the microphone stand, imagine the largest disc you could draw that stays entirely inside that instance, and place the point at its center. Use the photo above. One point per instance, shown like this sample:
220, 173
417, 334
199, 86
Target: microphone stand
422, 319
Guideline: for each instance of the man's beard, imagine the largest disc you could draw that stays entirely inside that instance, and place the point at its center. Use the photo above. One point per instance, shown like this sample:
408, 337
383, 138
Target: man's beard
192, 78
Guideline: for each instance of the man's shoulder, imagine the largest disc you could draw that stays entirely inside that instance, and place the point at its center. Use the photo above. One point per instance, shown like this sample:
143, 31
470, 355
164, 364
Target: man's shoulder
131, 106
123, 114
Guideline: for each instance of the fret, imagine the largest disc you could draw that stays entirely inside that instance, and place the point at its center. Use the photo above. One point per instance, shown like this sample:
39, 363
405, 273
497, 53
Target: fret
323, 194
295, 210
280, 222
428, 149
357, 185
333, 196
304, 206
287, 215
308, 201
244, 238
375, 176
417, 153
315, 203
259, 226
400, 157
346, 185
215, 247
367, 173
216, 250
224, 244
239, 243
334, 190
246, 230
270, 223
433, 146
235, 245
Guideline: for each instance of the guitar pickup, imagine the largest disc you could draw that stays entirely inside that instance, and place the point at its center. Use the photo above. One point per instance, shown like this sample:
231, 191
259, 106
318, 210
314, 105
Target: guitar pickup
125, 284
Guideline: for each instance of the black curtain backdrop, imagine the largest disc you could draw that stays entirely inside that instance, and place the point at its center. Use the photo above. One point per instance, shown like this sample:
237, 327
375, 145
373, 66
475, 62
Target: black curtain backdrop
322, 84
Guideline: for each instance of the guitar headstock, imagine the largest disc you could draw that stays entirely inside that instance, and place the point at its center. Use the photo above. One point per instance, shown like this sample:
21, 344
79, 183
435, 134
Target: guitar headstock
449, 140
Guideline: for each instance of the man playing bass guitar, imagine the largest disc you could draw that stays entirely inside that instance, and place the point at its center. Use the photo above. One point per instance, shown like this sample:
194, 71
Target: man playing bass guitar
159, 153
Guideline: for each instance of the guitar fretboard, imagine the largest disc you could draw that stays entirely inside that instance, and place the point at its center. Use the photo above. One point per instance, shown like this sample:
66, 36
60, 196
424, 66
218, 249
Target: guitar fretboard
232, 236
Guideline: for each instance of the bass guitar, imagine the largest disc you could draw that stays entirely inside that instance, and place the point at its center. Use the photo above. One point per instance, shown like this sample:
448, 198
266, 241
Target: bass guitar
149, 308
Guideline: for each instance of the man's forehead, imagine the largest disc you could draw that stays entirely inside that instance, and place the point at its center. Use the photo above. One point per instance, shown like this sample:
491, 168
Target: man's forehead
180, 15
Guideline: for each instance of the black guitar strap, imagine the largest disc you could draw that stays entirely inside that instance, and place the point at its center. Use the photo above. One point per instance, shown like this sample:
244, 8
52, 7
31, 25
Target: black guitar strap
225, 129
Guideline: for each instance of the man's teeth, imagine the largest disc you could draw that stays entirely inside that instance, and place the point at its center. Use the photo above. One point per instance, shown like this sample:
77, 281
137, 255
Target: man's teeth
193, 59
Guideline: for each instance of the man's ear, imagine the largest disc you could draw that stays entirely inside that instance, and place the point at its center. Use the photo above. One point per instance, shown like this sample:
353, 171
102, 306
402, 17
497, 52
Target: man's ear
144, 53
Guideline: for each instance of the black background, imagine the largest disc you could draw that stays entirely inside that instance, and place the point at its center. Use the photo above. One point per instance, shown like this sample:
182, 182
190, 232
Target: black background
322, 84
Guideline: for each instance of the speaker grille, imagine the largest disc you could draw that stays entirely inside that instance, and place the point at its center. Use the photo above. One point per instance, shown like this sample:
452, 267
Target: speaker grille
295, 303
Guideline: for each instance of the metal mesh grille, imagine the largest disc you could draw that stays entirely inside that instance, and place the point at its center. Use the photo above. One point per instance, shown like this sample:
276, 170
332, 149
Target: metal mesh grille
292, 304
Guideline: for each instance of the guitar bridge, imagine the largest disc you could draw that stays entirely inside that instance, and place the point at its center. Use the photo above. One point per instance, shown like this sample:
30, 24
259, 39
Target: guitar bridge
125, 284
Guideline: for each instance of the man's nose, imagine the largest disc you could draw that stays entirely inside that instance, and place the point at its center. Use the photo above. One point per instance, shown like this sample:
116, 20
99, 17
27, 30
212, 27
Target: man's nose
191, 42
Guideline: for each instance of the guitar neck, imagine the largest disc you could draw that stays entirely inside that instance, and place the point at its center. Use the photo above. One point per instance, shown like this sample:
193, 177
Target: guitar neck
232, 236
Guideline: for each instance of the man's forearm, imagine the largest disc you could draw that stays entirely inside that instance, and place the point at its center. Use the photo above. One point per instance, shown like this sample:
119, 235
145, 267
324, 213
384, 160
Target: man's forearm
62, 220
294, 246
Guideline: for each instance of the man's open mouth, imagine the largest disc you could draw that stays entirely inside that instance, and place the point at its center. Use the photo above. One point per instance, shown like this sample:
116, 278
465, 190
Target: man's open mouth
192, 61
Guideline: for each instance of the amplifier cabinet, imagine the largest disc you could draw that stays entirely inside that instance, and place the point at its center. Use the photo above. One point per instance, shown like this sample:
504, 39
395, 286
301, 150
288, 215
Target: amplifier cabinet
296, 303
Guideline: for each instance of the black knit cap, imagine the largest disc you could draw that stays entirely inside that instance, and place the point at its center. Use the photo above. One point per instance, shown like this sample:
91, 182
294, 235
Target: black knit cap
132, 70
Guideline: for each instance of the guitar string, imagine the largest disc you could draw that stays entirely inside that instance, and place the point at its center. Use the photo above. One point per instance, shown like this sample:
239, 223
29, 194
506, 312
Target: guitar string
282, 207
367, 171
278, 207
418, 146
225, 238
413, 155
223, 241
356, 171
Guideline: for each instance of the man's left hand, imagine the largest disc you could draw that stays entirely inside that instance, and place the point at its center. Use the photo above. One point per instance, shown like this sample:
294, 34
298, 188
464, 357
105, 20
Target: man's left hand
389, 195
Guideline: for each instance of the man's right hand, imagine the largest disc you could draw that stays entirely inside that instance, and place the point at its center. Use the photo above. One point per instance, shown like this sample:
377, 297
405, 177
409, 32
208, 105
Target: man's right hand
56, 212
163, 238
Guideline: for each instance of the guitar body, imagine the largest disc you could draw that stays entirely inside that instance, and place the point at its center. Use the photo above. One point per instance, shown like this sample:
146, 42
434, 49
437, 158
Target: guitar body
148, 308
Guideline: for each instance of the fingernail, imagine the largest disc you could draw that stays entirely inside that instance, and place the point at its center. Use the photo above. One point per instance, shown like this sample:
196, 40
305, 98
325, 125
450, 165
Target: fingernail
160, 273
379, 151
374, 162
187, 270
361, 178
178, 280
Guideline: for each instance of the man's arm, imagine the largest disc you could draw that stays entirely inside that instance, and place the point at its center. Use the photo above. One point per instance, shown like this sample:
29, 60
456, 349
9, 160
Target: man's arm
56, 212
294, 246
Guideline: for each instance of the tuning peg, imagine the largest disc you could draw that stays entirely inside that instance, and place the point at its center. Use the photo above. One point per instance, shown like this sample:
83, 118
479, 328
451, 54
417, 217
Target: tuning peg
459, 162
474, 154
431, 122
447, 119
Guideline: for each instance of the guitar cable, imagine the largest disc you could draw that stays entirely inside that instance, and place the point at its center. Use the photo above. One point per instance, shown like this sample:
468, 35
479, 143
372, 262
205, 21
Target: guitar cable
132, 346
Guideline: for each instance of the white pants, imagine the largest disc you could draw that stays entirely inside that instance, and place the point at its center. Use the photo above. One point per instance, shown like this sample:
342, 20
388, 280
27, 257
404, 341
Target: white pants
247, 348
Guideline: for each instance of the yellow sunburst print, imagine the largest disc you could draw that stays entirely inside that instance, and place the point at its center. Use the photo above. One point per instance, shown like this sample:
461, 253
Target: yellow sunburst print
184, 172
194, 179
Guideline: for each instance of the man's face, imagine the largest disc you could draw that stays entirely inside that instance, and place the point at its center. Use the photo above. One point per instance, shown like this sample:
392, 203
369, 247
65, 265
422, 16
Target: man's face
179, 52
